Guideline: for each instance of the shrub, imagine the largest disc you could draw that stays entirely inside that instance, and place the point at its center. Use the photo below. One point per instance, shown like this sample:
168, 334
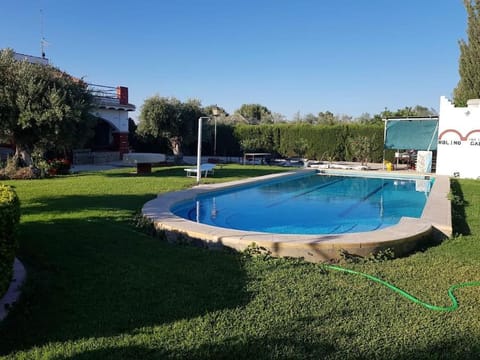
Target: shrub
40, 169
23, 173
362, 147
13, 169
9, 219
320, 142
59, 167
9, 168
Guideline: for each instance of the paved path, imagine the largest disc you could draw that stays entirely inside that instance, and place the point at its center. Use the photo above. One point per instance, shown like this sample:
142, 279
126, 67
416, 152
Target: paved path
13, 292
99, 167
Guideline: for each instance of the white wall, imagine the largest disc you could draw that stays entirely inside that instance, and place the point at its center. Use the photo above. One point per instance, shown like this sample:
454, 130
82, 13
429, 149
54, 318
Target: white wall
31, 59
459, 139
118, 118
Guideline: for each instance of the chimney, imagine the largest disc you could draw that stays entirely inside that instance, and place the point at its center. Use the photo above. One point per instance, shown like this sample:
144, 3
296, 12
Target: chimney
122, 95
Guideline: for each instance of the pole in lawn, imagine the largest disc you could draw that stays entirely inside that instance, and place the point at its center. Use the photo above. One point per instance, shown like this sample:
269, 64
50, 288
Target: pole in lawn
199, 147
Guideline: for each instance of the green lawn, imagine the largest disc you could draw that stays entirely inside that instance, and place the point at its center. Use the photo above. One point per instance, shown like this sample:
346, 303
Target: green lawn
98, 288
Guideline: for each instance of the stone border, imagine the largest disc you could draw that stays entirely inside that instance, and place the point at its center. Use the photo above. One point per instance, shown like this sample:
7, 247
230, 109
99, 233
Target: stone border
14, 290
401, 238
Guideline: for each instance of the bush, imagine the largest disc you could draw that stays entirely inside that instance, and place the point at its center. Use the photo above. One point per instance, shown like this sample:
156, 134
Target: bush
14, 170
41, 168
59, 167
9, 219
339, 142
320, 142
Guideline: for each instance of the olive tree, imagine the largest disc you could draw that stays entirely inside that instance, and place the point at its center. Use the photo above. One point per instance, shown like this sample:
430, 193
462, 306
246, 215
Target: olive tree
170, 118
42, 107
255, 114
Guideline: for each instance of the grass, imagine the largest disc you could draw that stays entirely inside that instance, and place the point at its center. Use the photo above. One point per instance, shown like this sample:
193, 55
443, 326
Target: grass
98, 288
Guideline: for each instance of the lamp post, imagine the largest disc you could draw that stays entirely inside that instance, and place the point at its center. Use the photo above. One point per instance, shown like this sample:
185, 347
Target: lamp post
215, 112
199, 147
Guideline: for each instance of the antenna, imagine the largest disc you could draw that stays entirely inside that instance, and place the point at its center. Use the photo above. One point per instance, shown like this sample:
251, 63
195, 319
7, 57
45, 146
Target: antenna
43, 42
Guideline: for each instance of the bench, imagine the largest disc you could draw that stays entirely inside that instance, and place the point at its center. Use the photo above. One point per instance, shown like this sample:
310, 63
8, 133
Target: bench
143, 161
204, 168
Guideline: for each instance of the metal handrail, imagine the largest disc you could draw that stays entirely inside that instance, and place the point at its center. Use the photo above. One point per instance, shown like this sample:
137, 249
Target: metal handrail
103, 91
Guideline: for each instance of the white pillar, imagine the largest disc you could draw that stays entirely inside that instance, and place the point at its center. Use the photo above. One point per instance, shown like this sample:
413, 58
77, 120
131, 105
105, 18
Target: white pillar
199, 147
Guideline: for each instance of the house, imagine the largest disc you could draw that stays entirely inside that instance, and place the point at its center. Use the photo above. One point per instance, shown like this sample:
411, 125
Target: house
111, 133
111, 107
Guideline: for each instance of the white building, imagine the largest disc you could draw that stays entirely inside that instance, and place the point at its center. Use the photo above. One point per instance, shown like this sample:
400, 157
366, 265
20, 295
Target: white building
30, 59
111, 108
459, 139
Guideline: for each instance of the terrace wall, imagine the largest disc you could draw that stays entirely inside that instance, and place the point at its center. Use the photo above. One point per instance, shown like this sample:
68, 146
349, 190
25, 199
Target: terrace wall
459, 139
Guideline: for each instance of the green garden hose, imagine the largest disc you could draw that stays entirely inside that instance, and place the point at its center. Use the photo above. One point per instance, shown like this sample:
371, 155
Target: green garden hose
452, 288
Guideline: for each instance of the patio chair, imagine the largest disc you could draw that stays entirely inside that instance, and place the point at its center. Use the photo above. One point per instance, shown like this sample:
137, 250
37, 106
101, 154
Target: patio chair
204, 169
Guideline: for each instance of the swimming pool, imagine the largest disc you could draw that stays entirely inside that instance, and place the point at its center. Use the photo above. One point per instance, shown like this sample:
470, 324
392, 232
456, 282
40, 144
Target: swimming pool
401, 238
313, 204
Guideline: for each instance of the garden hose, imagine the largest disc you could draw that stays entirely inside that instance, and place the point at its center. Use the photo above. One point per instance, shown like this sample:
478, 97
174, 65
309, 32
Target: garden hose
451, 289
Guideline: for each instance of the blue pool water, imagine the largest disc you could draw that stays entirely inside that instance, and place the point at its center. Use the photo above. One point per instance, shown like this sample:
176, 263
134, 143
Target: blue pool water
316, 204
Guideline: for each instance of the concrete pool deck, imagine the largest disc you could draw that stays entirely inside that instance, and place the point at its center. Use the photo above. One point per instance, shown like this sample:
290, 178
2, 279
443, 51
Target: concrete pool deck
402, 238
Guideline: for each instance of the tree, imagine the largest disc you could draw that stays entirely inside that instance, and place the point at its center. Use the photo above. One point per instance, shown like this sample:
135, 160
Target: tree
468, 86
407, 111
250, 144
234, 119
300, 147
417, 110
297, 117
344, 118
255, 114
310, 118
362, 147
209, 111
278, 118
364, 118
8, 85
42, 108
327, 118
188, 114
222, 117
170, 118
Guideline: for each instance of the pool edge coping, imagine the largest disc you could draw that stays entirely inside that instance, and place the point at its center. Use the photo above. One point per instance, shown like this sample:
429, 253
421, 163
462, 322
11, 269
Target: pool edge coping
402, 238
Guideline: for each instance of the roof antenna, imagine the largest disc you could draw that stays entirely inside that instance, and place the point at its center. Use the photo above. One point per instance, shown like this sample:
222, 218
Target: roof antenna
43, 42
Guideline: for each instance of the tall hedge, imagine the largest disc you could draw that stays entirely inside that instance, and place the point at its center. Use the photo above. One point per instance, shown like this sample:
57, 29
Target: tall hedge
9, 219
323, 142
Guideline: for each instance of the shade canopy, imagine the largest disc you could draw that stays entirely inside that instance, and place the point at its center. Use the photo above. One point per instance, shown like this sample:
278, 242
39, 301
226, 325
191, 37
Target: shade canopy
415, 134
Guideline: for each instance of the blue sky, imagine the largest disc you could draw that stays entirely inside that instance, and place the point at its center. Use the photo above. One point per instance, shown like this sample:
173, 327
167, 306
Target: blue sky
345, 56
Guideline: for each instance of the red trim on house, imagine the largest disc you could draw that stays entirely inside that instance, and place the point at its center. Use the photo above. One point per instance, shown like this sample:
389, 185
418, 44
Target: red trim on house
120, 142
463, 138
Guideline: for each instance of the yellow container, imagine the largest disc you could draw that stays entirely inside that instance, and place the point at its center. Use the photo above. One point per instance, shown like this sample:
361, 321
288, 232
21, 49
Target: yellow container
389, 166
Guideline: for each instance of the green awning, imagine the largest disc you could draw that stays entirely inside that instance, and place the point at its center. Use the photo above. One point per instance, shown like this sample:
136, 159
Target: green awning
415, 134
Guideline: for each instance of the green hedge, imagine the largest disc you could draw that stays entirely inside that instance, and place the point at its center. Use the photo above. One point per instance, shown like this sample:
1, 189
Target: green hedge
320, 142
9, 219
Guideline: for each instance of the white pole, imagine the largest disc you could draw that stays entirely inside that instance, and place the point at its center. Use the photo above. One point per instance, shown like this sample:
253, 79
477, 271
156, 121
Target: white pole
199, 147
215, 139
215, 112
384, 139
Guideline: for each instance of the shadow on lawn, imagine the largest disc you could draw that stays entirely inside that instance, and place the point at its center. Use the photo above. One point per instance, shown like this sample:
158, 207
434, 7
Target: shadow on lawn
286, 346
97, 278
75, 203
459, 218
221, 172
290, 346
